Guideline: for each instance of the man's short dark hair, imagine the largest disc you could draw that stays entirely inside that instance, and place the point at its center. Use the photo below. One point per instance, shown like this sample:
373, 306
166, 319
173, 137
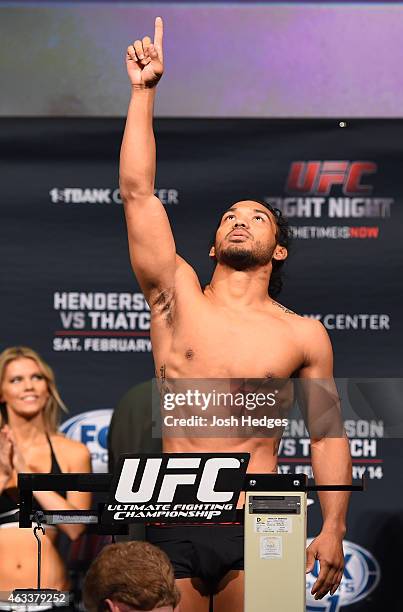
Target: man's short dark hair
283, 238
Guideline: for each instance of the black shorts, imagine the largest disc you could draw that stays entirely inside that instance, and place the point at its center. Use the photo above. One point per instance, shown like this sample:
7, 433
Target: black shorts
204, 551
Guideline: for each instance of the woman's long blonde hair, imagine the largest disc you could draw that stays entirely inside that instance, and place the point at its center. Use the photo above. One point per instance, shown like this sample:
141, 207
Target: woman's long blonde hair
51, 412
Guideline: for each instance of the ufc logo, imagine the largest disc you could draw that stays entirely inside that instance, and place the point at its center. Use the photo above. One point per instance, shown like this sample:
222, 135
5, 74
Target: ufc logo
315, 177
147, 488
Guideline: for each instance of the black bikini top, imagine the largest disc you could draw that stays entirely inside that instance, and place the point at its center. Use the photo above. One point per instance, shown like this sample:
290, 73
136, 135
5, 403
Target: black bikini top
9, 497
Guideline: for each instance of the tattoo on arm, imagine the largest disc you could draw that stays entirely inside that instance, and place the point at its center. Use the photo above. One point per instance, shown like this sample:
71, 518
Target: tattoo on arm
164, 385
163, 372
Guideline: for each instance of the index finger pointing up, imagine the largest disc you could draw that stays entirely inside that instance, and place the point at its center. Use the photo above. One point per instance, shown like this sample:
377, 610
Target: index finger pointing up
158, 34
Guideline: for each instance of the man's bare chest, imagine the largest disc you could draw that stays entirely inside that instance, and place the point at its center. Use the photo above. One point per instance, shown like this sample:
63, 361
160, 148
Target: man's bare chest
206, 344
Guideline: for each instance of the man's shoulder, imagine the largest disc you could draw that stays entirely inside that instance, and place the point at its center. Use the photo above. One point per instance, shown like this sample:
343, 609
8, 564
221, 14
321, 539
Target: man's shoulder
280, 308
312, 336
300, 323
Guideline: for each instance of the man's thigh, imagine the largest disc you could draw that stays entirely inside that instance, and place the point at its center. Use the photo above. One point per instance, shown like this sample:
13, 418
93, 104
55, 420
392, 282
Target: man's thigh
194, 595
230, 595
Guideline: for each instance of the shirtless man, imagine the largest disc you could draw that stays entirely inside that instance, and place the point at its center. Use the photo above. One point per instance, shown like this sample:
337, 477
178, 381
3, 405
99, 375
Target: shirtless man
242, 319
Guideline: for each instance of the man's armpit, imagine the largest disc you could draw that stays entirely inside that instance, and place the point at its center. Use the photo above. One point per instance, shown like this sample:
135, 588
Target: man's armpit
163, 303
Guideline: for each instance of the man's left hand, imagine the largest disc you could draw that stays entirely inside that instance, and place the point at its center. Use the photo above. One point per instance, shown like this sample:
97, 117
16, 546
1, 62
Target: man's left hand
327, 548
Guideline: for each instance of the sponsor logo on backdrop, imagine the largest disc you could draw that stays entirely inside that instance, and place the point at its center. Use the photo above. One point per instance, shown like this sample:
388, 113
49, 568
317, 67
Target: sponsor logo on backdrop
361, 576
295, 448
353, 322
91, 428
96, 195
334, 190
101, 322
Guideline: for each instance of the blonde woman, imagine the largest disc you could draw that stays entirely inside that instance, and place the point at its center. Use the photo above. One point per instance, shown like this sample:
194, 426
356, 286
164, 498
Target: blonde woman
30, 407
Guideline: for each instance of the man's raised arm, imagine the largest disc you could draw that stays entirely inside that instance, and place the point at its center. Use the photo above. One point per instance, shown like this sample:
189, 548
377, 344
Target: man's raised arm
151, 244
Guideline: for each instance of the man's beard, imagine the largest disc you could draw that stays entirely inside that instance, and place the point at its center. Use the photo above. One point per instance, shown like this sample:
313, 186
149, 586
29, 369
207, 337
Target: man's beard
242, 259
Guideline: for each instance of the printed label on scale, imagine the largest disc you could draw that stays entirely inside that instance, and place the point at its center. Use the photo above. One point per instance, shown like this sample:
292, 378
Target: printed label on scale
271, 547
273, 524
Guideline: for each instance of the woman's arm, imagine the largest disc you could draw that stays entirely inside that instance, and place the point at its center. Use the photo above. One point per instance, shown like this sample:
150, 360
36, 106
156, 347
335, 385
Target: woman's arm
75, 458
6, 468
79, 461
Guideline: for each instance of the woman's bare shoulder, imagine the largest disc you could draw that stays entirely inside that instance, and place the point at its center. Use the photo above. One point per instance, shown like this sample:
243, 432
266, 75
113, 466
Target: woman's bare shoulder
68, 447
